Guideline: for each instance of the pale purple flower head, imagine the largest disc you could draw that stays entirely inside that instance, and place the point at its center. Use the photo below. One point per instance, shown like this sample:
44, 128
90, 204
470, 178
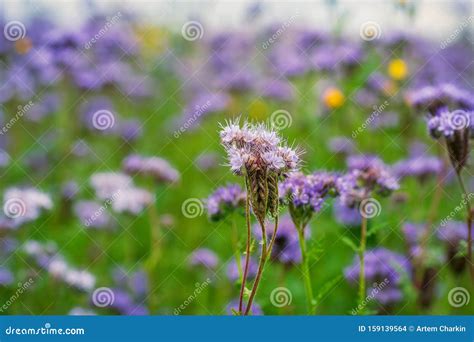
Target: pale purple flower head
118, 191
456, 127
224, 201
446, 123
277, 89
308, 191
6, 277
25, 204
345, 215
131, 200
207, 161
367, 174
204, 257
254, 147
107, 184
385, 270
452, 232
156, 167
92, 214
420, 167
341, 145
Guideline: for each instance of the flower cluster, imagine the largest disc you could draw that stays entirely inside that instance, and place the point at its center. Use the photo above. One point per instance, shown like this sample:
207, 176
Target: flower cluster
224, 201
263, 158
433, 97
46, 257
367, 174
305, 194
381, 265
118, 190
156, 167
347, 216
204, 257
130, 292
24, 205
456, 127
421, 167
254, 148
92, 214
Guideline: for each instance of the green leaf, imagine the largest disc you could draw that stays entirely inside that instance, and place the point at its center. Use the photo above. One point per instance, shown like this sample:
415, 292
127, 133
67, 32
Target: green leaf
350, 243
326, 288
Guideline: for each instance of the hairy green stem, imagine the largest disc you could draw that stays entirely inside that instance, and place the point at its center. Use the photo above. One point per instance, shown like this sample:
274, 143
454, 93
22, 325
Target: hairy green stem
263, 259
247, 251
469, 219
306, 274
363, 241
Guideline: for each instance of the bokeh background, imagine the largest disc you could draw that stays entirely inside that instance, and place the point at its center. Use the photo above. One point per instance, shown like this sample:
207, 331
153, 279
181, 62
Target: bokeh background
86, 84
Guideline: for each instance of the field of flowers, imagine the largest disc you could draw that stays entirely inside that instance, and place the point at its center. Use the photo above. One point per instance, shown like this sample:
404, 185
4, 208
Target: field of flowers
286, 170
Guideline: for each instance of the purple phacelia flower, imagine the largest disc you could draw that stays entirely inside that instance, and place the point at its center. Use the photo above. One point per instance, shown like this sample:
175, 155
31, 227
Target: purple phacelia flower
158, 168
367, 174
225, 200
25, 204
456, 127
341, 145
204, 257
345, 215
92, 214
385, 269
305, 194
420, 167
6, 277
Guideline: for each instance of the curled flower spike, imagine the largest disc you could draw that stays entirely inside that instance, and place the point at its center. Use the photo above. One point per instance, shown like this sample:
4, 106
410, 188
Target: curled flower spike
456, 127
263, 158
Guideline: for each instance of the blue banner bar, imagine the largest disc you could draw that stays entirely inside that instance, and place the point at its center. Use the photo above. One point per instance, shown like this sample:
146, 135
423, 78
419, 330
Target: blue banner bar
242, 329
